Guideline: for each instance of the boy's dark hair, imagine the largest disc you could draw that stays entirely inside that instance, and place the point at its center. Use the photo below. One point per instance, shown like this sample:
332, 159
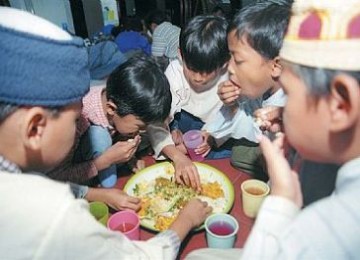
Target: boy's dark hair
218, 9
8, 109
263, 24
155, 16
203, 43
318, 80
139, 87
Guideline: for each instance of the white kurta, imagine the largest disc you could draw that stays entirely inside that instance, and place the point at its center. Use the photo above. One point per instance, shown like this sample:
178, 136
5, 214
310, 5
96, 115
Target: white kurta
41, 219
225, 124
327, 229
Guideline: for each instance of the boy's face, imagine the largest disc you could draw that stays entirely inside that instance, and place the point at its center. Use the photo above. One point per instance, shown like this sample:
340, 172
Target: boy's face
200, 82
306, 119
59, 135
128, 126
248, 69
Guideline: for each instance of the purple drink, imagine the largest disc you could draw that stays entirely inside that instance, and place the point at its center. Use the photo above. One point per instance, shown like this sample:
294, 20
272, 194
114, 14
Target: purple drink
192, 139
194, 156
221, 228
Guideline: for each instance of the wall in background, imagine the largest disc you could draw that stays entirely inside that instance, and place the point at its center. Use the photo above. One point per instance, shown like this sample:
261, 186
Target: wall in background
56, 11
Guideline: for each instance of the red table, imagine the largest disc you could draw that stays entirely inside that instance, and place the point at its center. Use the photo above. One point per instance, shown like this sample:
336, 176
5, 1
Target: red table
198, 240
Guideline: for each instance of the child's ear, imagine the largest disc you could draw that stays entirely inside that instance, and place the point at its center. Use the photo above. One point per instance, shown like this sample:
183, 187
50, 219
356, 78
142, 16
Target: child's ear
34, 125
276, 67
344, 102
110, 108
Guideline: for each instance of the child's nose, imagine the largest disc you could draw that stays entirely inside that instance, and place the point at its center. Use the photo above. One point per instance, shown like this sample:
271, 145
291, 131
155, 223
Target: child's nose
198, 77
230, 66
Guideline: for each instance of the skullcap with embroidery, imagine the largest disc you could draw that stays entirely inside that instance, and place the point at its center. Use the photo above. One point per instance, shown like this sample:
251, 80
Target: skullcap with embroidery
324, 34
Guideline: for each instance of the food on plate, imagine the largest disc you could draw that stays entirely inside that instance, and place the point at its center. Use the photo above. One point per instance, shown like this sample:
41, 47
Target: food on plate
162, 199
169, 169
163, 222
212, 190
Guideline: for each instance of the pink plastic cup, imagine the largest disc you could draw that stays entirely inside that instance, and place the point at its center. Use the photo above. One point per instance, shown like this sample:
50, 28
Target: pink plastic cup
126, 222
192, 139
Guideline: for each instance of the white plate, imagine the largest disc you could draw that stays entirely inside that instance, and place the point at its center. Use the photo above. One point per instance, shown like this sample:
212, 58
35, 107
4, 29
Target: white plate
207, 174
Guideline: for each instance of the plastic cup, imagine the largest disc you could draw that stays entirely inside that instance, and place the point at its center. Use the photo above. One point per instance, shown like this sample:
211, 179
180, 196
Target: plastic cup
126, 222
253, 194
221, 230
192, 139
100, 211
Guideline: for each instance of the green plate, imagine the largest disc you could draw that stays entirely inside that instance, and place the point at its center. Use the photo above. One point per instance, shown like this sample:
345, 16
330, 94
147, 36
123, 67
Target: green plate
207, 173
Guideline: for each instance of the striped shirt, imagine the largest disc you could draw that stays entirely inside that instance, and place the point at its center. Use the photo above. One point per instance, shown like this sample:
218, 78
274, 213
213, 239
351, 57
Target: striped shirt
165, 40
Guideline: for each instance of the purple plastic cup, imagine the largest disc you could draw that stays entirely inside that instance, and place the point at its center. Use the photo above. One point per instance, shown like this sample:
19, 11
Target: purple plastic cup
192, 139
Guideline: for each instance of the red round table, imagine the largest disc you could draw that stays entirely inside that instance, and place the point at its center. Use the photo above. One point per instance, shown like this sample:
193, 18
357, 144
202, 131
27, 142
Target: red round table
197, 240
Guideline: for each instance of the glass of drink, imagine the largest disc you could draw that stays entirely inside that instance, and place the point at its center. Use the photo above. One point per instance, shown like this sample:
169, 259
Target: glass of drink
126, 222
221, 230
253, 193
192, 139
100, 211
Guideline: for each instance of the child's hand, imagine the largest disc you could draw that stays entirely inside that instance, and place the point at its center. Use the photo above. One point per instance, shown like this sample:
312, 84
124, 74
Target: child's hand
195, 211
205, 147
186, 172
284, 181
191, 216
119, 200
269, 118
228, 93
118, 153
115, 198
176, 135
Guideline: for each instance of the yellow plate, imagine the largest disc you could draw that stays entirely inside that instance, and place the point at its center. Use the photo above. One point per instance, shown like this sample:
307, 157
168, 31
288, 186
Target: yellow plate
207, 174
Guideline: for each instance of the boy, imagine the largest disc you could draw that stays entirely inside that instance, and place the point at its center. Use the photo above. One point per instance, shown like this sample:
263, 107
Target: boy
114, 112
254, 42
254, 38
43, 76
165, 37
194, 81
321, 77
251, 28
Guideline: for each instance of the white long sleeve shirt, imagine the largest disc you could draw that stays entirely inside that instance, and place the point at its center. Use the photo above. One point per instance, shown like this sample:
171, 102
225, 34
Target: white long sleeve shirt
203, 105
326, 229
225, 124
41, 219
